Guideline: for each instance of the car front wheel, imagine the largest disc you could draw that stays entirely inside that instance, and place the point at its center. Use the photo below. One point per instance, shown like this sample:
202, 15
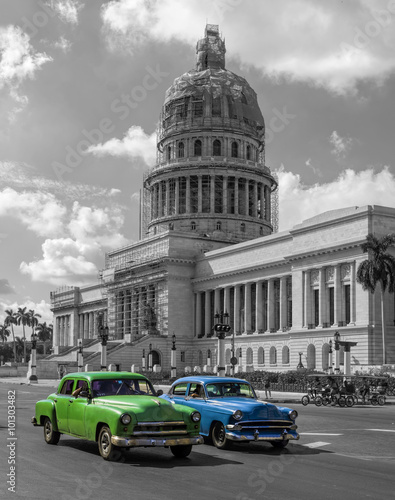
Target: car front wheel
50, 436
181, 451
218, 436
279, 444
106, 449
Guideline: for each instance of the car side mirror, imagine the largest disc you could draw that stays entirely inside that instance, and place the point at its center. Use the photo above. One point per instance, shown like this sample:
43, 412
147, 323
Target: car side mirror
85, 394
159, 392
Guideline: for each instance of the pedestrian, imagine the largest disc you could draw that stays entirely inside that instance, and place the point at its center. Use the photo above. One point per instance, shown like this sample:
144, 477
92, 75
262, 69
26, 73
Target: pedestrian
267, 389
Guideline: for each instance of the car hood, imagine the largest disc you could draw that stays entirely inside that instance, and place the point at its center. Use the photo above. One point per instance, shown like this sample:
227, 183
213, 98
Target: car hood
251, 408
146, 408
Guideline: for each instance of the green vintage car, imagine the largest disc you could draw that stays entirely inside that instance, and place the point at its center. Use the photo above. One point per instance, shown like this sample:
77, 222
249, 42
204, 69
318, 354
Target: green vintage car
119, 410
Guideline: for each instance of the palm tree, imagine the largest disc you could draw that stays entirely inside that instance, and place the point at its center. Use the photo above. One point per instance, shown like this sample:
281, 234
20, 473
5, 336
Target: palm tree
44, 332
33, 319
20, 346
379, 267
4, 332
23, 318
10, 320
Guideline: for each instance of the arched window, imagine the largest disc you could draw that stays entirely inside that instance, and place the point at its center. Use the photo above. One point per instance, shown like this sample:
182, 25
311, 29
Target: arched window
261, 356
218, 226
310, 357
193, 226
217, 148
235, 149
273, 355
325, 356
180, 150
168, 152
285, 355
248, 152
249, 356
197, 150
155, 358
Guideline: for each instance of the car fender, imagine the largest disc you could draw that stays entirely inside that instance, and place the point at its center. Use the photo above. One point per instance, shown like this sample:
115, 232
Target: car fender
98, 415
46, 408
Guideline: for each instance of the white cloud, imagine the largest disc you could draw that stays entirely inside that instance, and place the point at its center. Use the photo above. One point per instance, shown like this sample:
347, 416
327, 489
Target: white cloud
341, 145
67, 10
63, 44
298, 202
18, 62
42, 308
39, 212
328, 44
64, 261
135, 144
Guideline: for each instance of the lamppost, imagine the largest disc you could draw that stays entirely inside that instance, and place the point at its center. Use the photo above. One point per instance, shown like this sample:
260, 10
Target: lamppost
33, 377
150, 358
103, 336
80, 356
143, 361
221, 327
330, 367
300, 364
173, 358
336, 337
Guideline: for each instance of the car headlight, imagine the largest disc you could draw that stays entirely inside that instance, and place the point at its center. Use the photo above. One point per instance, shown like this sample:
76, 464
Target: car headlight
293, 414
126, 419
238, 415
195, 416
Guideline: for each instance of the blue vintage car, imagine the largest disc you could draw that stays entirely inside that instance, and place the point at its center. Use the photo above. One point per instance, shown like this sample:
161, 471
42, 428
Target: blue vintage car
232, 412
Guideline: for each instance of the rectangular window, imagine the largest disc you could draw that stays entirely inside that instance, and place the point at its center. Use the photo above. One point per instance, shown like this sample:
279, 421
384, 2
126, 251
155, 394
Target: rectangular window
205, 193
182, 195
194, 194
331, 305
231, 195
218, 194
198, 108
316, 307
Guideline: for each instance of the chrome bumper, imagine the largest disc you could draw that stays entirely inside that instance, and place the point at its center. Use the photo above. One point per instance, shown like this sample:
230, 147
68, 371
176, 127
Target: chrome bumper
171, 441
255, 436
34, 421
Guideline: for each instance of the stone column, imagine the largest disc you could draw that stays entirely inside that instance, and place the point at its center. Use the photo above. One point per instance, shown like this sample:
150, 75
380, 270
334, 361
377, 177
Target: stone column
236, 309
188, 196
259, 307
198, 314
307, 299
337, 296
200, 194
322, 316
160, 201
247, 308
91, 333
352, 293
225, 195
212, 194
207, 313
247, 200
167, 205
255, 204
217, 304
177, 200
62, 323
262, 201
81, 326
56, 336
227, 299
86, 326
283, 302
270, 305
236, 196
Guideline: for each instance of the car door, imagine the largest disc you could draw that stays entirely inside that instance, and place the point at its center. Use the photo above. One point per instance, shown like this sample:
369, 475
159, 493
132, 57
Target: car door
76, 411
62, 401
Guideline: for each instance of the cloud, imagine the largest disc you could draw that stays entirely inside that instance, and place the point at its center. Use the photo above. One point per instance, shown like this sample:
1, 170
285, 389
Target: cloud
5, 287
327, 44
18, 62
135, 144
298, 202
341, 145
67, 10
63, 44
40, 212
64, 261
42, 308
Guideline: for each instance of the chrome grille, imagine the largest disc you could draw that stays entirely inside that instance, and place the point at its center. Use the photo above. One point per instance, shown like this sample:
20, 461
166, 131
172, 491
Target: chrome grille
266, 424
160, 428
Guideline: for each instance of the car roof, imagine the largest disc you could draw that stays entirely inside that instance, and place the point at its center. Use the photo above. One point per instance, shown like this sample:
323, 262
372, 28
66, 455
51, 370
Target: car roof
104, 375
204, 379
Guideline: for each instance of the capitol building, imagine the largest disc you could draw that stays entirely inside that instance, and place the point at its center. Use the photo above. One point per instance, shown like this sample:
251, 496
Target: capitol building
210, 247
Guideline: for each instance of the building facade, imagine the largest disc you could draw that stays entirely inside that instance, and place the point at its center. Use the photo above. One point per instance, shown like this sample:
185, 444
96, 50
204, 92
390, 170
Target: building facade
209, 209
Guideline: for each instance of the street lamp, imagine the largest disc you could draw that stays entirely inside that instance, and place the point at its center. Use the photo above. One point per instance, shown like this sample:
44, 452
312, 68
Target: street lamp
80, 356
173, 358
33, 377
221, 327
103, 336
336, 337
300, 364
150, 357
330, 367
143, 360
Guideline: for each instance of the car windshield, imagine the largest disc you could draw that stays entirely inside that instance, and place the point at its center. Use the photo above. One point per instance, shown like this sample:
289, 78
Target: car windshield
122, 387
230, 389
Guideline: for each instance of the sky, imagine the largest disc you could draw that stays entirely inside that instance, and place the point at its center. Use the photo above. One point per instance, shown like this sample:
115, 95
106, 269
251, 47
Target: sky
81, 88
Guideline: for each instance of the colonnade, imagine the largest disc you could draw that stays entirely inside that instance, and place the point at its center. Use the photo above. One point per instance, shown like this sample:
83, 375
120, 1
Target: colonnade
69, 327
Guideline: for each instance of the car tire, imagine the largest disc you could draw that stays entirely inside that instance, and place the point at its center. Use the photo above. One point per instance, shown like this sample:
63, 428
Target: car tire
50, 436
218, 436
305, 400
181, 451
106, 449
279, 444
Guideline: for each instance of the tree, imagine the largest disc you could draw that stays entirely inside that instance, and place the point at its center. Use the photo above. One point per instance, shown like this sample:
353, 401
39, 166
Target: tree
44, 332
4, 332
33, 319
378, 268
23, 318
20, 347
10, 320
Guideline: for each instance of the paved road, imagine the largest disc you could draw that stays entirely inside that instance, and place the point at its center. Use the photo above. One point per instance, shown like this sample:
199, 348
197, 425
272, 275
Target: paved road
343, 453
